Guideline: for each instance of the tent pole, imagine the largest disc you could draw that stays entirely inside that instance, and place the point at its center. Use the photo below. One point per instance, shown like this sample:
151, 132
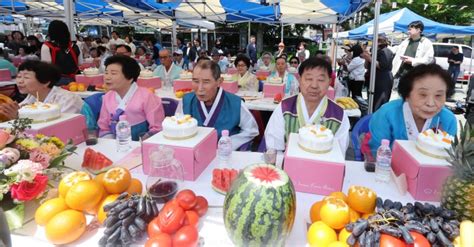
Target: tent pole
173, 36
373, 64
248, 34
282, 28
69, 10
333, 46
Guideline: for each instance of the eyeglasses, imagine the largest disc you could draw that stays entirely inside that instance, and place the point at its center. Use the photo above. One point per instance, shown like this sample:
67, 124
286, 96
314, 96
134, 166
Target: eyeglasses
281, 46
177, 55
241, 65
294, 62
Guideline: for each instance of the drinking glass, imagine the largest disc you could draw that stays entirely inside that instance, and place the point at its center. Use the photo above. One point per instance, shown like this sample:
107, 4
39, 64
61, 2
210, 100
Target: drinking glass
165, 175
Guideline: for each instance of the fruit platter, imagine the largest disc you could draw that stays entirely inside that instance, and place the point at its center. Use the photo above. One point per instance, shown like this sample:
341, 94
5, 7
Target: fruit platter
116, 207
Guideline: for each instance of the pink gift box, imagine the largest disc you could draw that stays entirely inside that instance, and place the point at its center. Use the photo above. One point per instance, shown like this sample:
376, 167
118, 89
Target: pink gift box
314, 173
152, 82
230, 86
270, 90
195, 154
68, 126
425, 174
330, 93
95, 80
231, 71
182, 84
262, 73
5, 75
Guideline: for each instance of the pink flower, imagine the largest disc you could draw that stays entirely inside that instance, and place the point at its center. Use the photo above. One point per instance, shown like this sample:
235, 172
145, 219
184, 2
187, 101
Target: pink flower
26, 191
39, 157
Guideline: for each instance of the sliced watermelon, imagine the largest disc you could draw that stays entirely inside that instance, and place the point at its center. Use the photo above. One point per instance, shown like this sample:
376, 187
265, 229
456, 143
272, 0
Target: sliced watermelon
95, 162
222, 179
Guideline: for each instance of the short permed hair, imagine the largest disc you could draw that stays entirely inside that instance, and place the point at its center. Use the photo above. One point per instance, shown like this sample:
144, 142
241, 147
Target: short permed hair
243, 58
44, 72
130, 67
208, 64
406, 82
315, 62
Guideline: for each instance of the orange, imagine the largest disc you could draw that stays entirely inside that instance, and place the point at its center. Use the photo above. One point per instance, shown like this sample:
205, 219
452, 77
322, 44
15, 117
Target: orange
335, 213
49, 209
337, 244
100, 178
320, 234
135, 187
81, 87
101, 215
84, 195
353, 215
71, 179
339, 194
361, 199
117, 180
366, 216
343, 235
65, 227
314, 211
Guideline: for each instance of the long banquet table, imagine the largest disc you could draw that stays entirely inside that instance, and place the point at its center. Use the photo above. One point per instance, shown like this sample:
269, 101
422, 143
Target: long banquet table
212, 230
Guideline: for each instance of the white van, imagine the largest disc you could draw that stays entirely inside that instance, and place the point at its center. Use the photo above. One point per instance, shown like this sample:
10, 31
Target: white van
441, 52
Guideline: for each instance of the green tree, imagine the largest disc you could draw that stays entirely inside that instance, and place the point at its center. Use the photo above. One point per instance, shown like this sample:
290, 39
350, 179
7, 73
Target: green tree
455, 12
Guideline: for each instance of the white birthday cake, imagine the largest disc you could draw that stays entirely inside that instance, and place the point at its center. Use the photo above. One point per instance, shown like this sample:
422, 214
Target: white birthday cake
433, 143
227, 77
292, 70
185, 75
274, 80
40, 112
91, 71
179, 127
146, 73
264, 68
315, 139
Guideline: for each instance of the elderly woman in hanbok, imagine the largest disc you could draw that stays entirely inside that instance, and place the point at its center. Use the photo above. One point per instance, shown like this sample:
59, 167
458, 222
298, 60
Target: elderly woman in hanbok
247, 81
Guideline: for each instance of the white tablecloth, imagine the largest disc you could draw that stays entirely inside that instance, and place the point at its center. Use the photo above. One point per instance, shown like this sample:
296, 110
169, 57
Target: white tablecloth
212, 228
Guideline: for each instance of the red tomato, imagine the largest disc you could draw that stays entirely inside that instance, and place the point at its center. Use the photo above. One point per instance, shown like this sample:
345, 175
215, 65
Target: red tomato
201, 205
171, 218
153, 228
187, 236
160, 240
192, 218
389, 241
420, 240
186, 199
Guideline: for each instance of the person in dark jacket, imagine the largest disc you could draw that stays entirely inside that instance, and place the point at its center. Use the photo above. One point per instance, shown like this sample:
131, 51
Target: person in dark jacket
252, 50
383, 74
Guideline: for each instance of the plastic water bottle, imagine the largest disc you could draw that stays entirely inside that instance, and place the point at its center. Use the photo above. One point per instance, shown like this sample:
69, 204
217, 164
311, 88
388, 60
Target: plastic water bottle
383, 168
224, 148
123, 134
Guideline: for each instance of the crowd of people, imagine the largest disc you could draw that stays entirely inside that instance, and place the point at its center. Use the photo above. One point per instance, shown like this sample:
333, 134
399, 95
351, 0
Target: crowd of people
409, 68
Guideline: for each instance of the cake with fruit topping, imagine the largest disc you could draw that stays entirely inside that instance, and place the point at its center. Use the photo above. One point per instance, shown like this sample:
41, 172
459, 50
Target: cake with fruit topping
315, 139
434, 143
91, 71
185, 75
40, 112
146, 73
274, 80
179, 127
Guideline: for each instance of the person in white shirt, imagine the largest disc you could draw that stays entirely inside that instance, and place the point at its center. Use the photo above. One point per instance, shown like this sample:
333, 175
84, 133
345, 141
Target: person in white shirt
413, 51
129, 42
116, 40
311, 106
213, 107
167, 70
356, 70
265, 62
37, 80
302, 49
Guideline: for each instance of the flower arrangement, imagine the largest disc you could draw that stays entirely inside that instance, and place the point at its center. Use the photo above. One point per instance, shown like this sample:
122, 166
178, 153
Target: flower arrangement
28, 164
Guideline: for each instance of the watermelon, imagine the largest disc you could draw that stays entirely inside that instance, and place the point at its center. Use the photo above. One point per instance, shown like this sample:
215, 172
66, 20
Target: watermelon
259, 209
95, 162
223, 178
